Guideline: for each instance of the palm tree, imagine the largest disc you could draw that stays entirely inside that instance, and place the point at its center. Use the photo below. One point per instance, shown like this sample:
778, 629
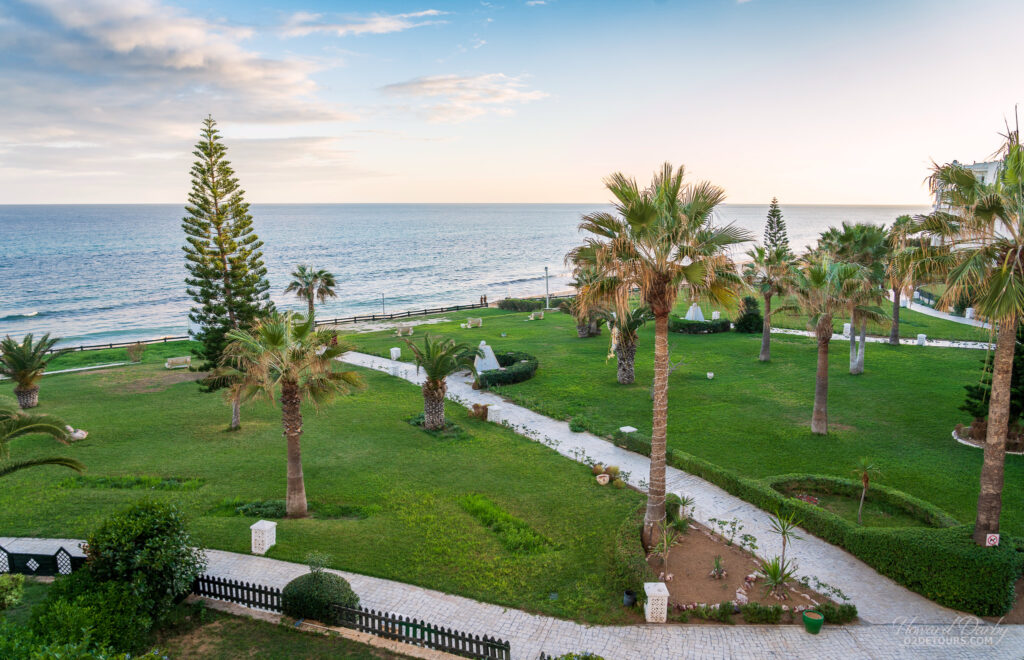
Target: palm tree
24, 363
624, 325
589, 314
440, 358
865, 245
981, 227
659, 240
285, 352
309, 283
865, 471
823, 288
15, 424
770, 272
898, 271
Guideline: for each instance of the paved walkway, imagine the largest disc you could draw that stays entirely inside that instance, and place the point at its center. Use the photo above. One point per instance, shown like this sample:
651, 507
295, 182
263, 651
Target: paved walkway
531, 634
928, 311
878, 599
934, 343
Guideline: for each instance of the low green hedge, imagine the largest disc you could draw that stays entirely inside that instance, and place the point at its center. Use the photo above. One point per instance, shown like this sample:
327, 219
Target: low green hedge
520, 304
518, 366
631, 569
676, 324
944, 565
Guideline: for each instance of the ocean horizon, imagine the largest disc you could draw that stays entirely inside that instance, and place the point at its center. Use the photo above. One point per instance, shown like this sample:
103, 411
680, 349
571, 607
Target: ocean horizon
99, 273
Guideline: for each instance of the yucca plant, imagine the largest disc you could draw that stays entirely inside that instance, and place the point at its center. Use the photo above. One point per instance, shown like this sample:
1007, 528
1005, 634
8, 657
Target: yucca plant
16, 424
786, 527
284, 353
777, 574
24, 362
440, 358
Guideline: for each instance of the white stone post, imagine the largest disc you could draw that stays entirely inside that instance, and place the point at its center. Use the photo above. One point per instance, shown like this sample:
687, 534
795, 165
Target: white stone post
628, 429
921, 339
846, 329
396, 353
494, 414
969, 313
656, 608
715, 316
264, 535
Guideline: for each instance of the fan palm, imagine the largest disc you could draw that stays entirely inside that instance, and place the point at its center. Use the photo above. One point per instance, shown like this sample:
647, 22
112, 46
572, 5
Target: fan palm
770, 271
24, 363
285, 353
310, 283
865, 245
981, 227
823, 289
865, 470
16, 424
440, 358
900, 272
589, 313
624, 325
659, 239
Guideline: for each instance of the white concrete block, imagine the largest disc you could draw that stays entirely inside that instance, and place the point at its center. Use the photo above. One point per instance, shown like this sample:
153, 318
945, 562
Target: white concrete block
628, 429
921, 339
969, 313
715, 316
656, 608
846, 329
396, 353
264, 535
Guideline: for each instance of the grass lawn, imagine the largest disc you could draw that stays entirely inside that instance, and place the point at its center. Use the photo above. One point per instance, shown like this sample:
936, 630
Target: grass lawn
755, 417
359, 452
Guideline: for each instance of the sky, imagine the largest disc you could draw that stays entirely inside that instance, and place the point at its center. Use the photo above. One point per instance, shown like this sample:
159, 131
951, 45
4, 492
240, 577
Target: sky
814, 102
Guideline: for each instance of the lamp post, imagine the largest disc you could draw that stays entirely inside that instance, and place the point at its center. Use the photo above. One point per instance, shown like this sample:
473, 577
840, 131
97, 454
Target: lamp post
382, 311
547, 292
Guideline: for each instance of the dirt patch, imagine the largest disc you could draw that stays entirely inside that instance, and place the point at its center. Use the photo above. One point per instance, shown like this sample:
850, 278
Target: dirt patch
689, 581
146, 380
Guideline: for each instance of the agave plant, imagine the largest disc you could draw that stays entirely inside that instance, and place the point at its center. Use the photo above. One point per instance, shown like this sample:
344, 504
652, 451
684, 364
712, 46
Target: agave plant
16, 424
24, 363
777, 573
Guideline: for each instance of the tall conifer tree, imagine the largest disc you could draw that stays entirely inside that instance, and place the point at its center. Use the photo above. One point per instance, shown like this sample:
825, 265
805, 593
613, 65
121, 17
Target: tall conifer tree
775, 229
227, 279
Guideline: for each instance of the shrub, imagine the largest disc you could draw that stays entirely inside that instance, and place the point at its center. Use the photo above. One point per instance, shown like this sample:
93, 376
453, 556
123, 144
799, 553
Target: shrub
520, 304
17, 642
131, 483
577, 425
102, 614
12, 589
310, 596
750, 319
628, 560
135, 351
264, 509
518, 366
148, 547
844, 613
755, 613
513, 533
676, 324
944, 565
450, 430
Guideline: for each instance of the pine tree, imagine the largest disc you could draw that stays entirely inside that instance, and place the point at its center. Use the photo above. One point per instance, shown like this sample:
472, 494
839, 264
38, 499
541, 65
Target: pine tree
775, 229
976, 401
226, 277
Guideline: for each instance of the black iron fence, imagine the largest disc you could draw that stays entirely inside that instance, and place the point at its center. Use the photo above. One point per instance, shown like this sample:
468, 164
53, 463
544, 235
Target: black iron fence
420, 633
400, 315
382, 624
119, 344
60, 562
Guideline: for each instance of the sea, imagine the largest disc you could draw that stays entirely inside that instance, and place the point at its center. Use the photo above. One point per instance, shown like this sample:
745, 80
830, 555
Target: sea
95, 274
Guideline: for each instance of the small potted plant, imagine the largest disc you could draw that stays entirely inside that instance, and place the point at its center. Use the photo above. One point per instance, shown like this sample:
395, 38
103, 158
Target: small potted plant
813, 621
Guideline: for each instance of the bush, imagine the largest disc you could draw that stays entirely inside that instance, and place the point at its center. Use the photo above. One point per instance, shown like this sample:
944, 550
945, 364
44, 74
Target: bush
19, 643
148, 547
844, 613
264, 509
518, 366
755, 613
135, 351
310, 596
628, 560
103, 615
520, 304
750, 319
676, 324
12, 589
944, 565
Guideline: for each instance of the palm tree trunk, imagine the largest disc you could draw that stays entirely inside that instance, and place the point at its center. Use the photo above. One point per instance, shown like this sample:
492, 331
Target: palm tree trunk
582, 330
655, 515
853, 342
28, 397
766, 331
236, 411
990, 497
858, 365
625, 352
860, 509
433, 405
594, 328
309, 301
894, 331
819, 418
291, 417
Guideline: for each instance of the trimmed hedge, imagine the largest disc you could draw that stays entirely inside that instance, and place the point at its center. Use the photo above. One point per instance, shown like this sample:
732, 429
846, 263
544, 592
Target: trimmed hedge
676, 324
311, 595
520, 304
630, 565
944, 565
518, 366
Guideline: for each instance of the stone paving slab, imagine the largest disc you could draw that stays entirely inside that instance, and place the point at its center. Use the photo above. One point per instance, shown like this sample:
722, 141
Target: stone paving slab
879, 600
933, 343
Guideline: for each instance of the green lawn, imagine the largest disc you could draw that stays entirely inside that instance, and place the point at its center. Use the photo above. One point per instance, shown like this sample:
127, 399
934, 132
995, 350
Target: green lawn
755, 417
143, 420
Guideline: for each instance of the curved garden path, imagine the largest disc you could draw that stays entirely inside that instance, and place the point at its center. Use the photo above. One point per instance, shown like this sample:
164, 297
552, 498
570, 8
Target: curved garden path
531, 634
879, 600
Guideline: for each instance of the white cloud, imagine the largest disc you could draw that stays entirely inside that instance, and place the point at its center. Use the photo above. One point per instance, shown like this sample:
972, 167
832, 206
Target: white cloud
302, 24
535, 3
453, 98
